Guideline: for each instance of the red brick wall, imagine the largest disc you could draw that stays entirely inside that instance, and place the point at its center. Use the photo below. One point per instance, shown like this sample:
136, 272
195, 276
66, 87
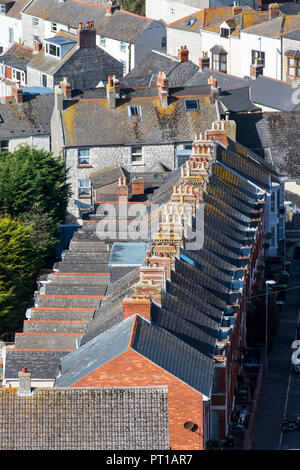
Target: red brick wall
130, 369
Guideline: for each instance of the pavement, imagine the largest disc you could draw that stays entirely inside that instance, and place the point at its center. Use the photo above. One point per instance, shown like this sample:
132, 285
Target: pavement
280, 392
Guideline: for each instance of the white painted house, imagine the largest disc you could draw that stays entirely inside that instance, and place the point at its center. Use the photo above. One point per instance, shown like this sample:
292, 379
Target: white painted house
234, 38
215, 31
173, 10
10, 22
125, 36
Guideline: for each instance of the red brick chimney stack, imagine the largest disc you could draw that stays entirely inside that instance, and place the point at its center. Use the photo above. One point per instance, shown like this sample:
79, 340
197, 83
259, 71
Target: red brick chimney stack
86, 35
236, 9
111, 7
17, 92
274, 10
122, 190
183, 54
138, 186
204, 61
37, 45
66, 88
163, 88
136, 305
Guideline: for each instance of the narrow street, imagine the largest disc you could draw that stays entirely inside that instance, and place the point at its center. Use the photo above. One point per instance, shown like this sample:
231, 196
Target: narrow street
280, 391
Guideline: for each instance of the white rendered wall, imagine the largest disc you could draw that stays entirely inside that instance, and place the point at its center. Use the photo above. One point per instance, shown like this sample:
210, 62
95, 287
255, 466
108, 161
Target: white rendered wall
170, 10
270, 46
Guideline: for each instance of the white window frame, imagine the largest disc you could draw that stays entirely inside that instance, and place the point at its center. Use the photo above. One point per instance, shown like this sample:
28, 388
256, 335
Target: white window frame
42, 80
84, 187
57, 49
134, 110
11, 35
3, 9
2, 70
53, 27
102, 41
86, 157
123, 46
22, 75
35, 20
135, 153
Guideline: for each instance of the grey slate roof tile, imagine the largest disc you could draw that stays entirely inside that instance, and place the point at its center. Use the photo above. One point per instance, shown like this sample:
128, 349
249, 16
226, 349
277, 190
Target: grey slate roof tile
156, 125
157, 345
85, 419
121, 26
30, 118
41, 364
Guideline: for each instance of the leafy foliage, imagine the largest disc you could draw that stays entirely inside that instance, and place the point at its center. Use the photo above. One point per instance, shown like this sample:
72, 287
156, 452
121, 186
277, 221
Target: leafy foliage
135, 6
18, 268
30, 177
33, 202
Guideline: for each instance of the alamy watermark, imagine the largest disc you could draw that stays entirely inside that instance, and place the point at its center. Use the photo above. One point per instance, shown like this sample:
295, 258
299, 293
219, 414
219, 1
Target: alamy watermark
135, 222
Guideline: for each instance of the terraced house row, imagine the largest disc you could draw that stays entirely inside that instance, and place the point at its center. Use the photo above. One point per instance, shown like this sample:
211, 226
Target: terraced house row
159, 312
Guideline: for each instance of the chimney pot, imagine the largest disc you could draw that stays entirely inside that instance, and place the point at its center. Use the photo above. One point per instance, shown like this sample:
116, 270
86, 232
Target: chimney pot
274, 10
86, 35
204, 61
183, 54
66, 88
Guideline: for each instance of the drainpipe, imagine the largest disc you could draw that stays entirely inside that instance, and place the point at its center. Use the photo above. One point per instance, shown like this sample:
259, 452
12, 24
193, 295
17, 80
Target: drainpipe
129, 57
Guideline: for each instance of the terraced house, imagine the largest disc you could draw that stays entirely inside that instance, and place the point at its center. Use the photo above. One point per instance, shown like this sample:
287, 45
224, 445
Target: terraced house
125, 36
134, 127
178, 317
236, 40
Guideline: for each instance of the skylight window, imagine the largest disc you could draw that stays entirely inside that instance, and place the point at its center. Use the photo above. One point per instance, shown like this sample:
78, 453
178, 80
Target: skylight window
191, 105
134, 110
191, 21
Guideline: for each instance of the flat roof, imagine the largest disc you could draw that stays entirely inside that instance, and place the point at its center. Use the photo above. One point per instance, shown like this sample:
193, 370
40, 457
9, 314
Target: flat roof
59, 40
128, 254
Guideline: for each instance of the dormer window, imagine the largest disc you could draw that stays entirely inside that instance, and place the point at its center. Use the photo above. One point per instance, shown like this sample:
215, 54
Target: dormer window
51, 49
224, 33
58, 46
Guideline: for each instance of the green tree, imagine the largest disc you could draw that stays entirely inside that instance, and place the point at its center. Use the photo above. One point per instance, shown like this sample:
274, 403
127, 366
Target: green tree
30, 178
135, 6
18, 269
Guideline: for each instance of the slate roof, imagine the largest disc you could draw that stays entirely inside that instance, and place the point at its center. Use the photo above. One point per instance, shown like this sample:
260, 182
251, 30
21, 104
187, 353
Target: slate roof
154, 62
122, 25
276, 27
275, 136
110, 311
30, 118
85, 419
91, 58
43, 365
16, 10
225, 80
107, 176
156, 125
274, 93
295, 35
152, 342
17, 56
237, 100
210, 19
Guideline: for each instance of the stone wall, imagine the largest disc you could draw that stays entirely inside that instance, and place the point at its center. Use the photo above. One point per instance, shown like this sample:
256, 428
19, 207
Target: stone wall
286, 45
104, 157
